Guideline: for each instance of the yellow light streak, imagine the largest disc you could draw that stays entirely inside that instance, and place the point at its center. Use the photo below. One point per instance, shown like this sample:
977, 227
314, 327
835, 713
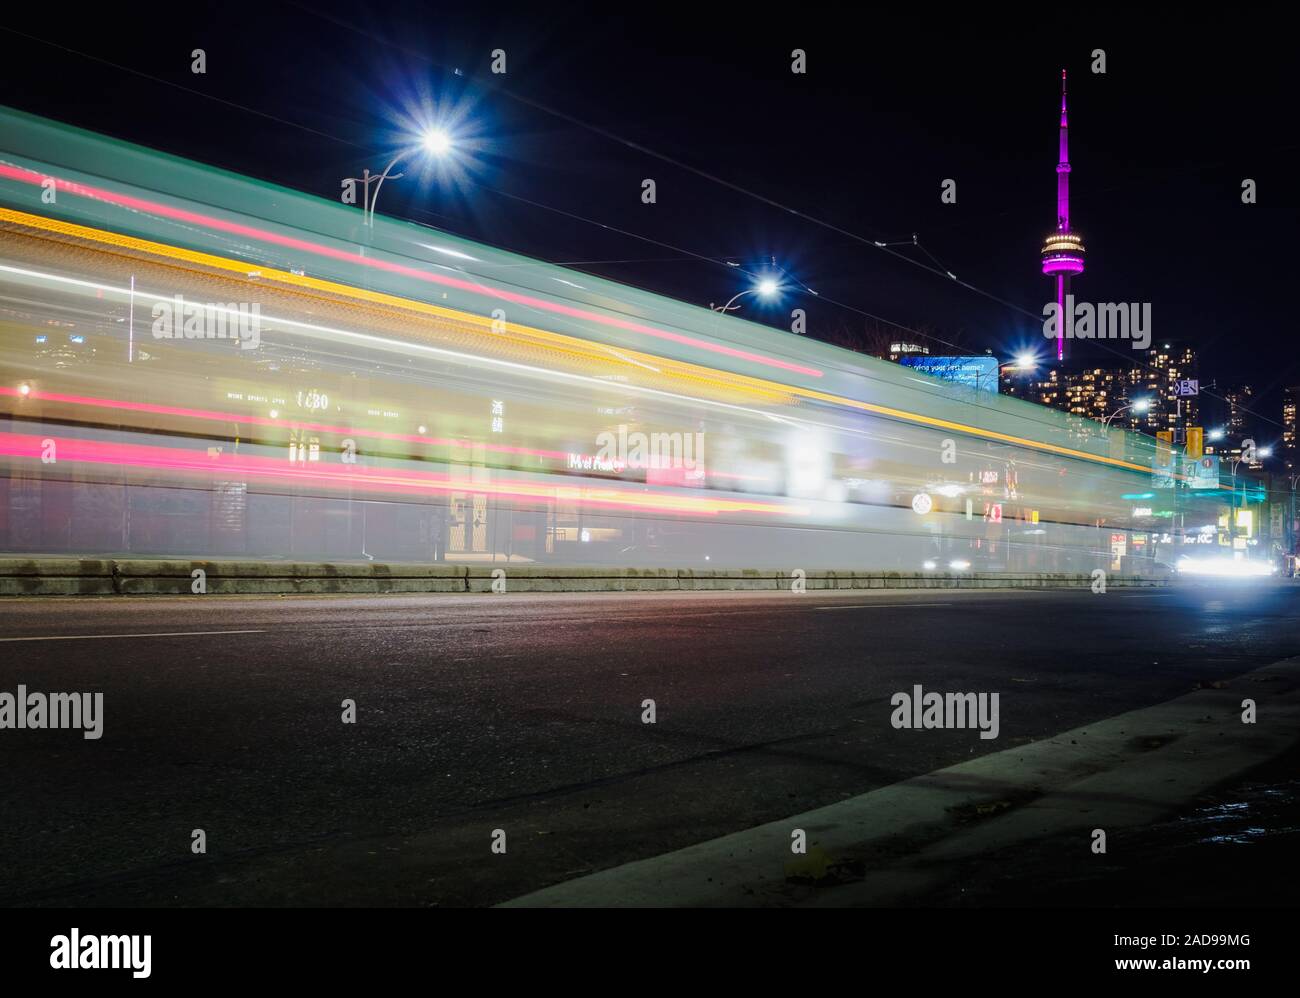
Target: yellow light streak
719, 379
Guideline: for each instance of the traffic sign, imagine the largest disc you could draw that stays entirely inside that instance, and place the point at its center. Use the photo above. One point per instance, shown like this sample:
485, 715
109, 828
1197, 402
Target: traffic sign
1203, 472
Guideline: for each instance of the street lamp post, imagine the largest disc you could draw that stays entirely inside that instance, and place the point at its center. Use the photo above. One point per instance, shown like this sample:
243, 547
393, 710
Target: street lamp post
436, 142
1232, 505
1140, 406
765, 288
367, 204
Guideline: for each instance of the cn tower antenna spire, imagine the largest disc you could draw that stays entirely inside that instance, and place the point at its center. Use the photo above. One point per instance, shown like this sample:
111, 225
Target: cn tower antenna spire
1063, 252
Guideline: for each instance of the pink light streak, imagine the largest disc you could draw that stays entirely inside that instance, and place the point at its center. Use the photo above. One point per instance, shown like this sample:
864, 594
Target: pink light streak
249, 232
234, 417
370, 480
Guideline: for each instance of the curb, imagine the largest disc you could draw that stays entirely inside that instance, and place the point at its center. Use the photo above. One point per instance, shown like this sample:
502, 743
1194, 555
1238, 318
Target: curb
1118, 773
174, 577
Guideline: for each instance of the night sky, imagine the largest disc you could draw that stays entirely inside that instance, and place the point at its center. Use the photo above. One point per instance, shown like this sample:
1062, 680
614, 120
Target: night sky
306, 94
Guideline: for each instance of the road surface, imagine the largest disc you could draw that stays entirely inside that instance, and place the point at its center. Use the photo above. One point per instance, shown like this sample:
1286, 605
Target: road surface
524, 713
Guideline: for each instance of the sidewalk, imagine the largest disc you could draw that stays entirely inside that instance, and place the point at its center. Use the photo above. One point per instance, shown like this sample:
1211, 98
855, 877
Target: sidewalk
901, 844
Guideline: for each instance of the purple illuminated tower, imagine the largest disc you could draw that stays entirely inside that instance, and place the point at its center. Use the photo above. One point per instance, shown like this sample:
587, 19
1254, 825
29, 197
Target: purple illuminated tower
1063, 250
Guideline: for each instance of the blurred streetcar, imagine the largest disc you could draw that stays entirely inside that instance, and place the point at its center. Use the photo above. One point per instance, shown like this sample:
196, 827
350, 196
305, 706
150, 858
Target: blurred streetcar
270, 379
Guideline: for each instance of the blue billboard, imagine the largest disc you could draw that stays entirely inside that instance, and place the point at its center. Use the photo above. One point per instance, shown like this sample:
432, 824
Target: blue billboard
976, 372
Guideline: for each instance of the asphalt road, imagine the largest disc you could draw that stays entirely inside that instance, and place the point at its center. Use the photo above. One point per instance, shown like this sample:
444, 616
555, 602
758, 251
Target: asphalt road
523, 712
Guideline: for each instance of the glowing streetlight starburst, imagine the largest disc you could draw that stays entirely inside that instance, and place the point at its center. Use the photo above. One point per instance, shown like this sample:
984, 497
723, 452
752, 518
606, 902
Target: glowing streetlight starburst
437, 142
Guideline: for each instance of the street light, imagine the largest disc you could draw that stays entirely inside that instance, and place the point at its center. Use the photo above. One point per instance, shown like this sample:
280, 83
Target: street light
1023, 362
436, 142
1140, 406
767, 287
1232, 503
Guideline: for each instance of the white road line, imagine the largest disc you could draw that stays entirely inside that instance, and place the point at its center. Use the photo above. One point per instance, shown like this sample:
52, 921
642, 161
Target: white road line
159, 634
878, 606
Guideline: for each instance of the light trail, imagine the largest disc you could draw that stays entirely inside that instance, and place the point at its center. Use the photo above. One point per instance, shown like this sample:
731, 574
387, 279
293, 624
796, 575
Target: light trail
290, 242
378, 480
838, 400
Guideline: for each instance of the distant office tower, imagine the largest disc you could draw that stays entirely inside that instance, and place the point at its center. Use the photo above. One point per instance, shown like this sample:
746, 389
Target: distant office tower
1238, 422
1241, 425
1063, 251
1096, 392
1157, 378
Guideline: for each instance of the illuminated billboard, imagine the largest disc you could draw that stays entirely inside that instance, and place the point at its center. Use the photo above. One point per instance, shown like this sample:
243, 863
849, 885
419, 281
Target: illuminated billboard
977, 372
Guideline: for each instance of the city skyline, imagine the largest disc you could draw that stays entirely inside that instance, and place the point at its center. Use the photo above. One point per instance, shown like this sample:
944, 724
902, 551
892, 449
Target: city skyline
517, 194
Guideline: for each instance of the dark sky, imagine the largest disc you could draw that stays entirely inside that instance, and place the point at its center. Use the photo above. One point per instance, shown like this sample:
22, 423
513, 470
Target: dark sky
305, 94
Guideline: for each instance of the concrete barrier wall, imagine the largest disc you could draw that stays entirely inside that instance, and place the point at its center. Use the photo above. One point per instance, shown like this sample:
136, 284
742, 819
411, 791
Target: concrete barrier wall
141, 577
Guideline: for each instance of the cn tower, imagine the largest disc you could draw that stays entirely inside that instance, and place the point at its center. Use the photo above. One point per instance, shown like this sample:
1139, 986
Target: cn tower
1063, 250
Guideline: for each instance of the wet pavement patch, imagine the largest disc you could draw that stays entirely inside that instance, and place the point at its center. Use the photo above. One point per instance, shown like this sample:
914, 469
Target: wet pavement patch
1234, 846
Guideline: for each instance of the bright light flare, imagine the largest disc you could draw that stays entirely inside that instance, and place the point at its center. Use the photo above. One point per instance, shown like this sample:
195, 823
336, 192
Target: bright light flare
437, 142
1239, 568
767, 288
